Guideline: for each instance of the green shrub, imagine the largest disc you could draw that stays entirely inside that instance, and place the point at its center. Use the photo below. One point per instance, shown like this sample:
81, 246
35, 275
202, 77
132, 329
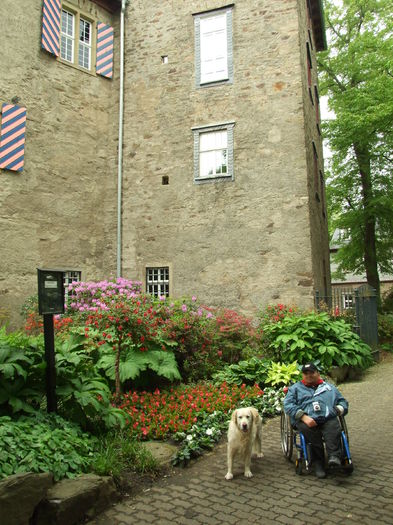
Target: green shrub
385, 328
249, 372
387, 301
281, 374
83, 395
314, 336
44, 443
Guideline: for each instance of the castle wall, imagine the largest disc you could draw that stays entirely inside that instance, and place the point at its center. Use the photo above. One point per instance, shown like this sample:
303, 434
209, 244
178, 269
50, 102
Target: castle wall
240, 243
60, 211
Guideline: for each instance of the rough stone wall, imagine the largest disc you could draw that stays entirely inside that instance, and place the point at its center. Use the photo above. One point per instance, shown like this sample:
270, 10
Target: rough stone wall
317, 200
243, 243
61, 210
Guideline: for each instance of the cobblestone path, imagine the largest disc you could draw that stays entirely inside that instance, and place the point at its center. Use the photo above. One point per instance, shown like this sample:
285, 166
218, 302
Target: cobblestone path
199, 494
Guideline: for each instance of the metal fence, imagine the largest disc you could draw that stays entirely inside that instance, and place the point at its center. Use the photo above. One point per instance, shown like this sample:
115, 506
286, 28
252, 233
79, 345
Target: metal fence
358, 305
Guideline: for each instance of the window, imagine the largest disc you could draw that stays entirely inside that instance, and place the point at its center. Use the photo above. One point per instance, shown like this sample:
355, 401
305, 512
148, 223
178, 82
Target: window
315, 170
213, 152
76, 39
309, 64
347, 301
322, 186
157, 281
68, 278
317, 115
213, 47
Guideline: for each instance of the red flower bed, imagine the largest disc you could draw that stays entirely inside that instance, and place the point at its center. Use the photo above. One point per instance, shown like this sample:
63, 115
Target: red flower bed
158, 414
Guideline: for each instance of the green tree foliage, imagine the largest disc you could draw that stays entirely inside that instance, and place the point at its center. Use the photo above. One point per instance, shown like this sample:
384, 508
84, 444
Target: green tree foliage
357, 76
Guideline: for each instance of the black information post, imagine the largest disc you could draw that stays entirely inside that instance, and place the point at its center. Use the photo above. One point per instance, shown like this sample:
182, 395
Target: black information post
50, 302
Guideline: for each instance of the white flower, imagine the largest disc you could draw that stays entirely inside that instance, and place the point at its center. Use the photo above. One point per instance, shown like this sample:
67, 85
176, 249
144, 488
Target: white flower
210, 431
189, 437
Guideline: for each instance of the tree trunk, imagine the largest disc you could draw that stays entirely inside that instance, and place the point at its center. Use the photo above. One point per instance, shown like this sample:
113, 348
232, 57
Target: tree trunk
369, 235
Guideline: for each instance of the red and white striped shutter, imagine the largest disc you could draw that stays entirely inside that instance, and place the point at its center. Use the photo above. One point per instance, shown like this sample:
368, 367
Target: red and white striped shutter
12, 137
104, 64
51, 16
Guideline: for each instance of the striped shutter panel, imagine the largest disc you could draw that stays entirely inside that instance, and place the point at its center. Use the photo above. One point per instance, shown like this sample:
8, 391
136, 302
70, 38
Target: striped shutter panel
104, 65
12, 137
51, 16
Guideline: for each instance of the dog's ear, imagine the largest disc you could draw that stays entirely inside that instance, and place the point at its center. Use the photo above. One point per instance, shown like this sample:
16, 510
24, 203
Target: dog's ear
234, 416
254, 413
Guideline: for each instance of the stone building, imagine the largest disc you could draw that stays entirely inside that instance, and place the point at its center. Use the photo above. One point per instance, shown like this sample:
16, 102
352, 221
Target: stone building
217, 189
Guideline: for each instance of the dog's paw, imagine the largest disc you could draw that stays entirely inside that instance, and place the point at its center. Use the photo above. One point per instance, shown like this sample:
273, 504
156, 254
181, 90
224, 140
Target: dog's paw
260, 455
229, 476
248, 474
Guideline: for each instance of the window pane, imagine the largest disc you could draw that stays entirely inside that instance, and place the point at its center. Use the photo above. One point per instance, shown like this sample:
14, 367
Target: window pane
213, 153
84, 43
67, 36
207, 164
213, 46
84, 56
67, 23
206, 141
84, 31
157, 281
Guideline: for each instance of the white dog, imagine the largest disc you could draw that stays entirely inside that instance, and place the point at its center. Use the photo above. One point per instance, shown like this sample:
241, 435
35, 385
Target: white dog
244, 438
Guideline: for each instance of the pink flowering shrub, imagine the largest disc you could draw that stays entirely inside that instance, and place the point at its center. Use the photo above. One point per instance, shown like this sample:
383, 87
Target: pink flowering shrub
95, 296
207, 338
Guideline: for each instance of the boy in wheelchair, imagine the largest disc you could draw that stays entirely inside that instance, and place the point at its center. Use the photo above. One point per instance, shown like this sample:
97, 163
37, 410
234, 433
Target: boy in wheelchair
313, 406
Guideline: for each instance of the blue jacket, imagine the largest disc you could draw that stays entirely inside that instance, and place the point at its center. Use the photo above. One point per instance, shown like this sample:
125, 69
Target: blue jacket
318, 403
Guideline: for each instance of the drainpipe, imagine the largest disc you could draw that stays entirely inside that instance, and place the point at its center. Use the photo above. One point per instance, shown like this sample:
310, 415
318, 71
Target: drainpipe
120, 146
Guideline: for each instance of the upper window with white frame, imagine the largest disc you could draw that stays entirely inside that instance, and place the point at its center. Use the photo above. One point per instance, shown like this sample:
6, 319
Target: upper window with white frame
76, 38
213, 47
213, 152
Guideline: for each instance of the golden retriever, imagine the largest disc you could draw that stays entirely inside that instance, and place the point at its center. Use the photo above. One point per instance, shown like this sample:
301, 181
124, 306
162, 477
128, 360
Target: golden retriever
244, 438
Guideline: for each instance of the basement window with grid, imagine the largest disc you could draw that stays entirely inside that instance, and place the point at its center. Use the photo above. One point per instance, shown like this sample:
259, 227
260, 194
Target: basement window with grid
157, 281
68, 278
347, 301
76, 39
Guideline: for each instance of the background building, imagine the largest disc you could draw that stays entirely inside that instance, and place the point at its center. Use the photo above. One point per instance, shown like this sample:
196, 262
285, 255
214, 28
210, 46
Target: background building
222, 190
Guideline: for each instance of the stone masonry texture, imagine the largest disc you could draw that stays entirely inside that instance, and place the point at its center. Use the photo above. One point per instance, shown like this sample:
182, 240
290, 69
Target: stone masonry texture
60, 212
258, 239
200, 495
262, 237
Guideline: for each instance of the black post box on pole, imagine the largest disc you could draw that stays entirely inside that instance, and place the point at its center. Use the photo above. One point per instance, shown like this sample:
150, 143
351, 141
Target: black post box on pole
50, 302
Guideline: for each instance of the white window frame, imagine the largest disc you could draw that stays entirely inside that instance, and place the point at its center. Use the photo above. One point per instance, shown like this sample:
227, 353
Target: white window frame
85, 45
69, 38
348, 301
77, 44
157, 281
213, 47
70, 276
199, 133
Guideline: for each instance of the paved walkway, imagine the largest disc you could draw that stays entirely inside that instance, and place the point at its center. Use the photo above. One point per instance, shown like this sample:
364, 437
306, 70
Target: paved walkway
199, 494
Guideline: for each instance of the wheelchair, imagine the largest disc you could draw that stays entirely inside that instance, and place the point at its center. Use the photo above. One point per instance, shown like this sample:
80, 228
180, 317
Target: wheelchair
293, 440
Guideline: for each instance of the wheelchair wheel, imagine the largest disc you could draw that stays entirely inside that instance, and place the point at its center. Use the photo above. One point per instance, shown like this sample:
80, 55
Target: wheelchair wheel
344, 427
299, 463
286, 435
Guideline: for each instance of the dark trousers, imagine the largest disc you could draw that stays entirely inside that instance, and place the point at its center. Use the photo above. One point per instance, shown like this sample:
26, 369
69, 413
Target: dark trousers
331, 433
